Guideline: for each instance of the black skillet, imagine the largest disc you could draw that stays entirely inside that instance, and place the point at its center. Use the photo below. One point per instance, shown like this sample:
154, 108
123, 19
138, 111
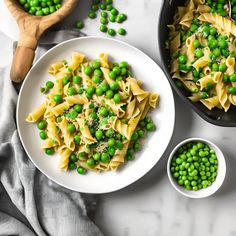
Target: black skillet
215, 116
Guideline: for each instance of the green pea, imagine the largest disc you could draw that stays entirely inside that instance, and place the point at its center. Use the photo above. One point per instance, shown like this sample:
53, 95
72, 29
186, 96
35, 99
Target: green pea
222, 67
117, 98
27, 6
80, 90
111, 32
109, 133
232, 90
22, 2
99, 91
49, 151
49, 84
79, 24
91, 105
99, 134
198, 53
114, 12
109, 94
111, 142
204, 95
81, 170
196, 43
78, 108
71, 91
57, 98
103, 21
105, 86
112, 18
96, 79
182, 59
121, 31
73, 158
215, 67
222, 44
118, 136
193, 28
42, 124
88, 70
129, 157
150, 127
43, 134
71, 128
98, 73
96, 64
71, 166
213, 31
225, 52
77, 139
65, 80
205, 31
105, 158
134, 137
52, 9
114, 86
103, 28
82, 154
116, 70
90, 162
102, 6
216, 52
124, 64
233, 77
92, 15
119, 145
123, 71
96, 156
137, 147
111, 151
94, 7
77, 79
108, 1
104, 112
109, 7
94, 115
104, 14
112, 75
90, 90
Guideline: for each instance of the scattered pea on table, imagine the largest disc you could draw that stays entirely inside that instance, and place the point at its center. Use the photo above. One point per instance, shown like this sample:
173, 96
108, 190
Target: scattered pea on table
109, 14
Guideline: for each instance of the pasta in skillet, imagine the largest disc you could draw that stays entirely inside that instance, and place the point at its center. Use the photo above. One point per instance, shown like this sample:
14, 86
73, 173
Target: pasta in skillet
94, 114
203, 48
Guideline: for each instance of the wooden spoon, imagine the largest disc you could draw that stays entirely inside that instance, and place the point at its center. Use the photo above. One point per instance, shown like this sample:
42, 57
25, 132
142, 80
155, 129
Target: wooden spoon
31, 28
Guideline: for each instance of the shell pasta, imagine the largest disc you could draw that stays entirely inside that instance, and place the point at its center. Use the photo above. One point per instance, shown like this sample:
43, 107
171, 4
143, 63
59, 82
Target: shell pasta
94, 114
202, 47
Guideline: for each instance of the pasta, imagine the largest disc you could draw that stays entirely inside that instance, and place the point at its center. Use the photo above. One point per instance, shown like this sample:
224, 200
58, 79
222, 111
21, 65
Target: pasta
93, 114
202, 46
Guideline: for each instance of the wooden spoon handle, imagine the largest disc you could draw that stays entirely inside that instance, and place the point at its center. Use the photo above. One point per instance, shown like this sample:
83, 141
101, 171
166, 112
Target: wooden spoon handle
22, 62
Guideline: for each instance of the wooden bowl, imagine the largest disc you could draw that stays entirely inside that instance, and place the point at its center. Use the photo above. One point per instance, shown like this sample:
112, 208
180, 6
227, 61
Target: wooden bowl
31, 28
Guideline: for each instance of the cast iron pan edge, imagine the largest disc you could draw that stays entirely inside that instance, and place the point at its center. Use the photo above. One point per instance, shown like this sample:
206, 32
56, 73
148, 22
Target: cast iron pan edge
214, 116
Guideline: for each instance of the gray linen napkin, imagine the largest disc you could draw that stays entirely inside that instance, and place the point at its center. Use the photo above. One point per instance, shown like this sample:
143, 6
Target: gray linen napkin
30, 203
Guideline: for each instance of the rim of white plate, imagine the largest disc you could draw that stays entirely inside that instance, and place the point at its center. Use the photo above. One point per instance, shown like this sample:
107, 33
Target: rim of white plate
84, 38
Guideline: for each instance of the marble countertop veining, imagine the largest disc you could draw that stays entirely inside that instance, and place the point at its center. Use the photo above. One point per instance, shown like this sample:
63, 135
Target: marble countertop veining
151, 206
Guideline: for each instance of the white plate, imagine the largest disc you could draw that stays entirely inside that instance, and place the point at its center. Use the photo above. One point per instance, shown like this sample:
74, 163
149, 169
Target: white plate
144, 69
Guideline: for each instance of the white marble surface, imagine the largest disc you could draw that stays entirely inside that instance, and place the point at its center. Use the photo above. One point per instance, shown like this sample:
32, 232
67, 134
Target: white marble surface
151, 206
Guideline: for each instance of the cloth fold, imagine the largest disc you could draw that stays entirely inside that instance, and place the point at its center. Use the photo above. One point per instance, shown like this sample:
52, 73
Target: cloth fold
30, 203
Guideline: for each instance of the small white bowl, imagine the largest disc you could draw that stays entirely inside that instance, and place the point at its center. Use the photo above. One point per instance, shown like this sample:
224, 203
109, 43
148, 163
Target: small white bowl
219, 178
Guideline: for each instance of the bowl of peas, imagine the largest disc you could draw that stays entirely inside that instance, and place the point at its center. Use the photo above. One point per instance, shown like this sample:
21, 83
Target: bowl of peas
196, 168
